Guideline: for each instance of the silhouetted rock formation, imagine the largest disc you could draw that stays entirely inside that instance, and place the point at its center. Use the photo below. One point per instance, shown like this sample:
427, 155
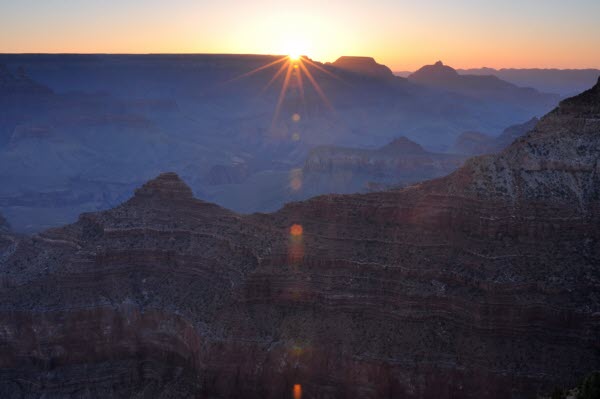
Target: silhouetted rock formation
363, 65
437, 72
444, 77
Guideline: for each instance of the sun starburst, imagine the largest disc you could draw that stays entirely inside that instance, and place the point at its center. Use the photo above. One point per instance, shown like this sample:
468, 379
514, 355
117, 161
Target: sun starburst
292, 67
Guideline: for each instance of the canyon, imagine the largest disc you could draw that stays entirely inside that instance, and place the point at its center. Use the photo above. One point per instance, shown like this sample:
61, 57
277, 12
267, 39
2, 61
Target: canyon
481, 284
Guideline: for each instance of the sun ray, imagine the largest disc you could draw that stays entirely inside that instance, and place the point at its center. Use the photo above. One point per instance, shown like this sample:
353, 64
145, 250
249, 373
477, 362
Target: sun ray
299, 79
282, 94
320, 68
292, 65
317, 87
274, 78
252, 72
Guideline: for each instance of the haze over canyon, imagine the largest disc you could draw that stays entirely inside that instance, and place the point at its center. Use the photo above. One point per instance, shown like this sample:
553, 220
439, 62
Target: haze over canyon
79, 132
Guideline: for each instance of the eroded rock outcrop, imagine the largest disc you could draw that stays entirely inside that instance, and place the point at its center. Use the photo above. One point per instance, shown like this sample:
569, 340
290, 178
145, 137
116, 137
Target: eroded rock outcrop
482, 284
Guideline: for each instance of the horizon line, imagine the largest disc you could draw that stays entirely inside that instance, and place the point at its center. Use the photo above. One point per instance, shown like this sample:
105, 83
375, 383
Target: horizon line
395, 70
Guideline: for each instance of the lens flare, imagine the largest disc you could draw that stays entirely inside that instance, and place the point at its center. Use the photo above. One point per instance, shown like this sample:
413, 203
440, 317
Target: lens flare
296, 245
297, 391
296, 230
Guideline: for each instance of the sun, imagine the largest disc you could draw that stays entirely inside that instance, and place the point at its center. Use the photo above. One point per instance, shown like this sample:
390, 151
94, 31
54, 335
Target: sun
295, 47
294, 68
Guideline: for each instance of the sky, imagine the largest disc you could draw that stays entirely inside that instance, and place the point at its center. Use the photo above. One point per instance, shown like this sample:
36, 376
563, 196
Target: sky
401, 34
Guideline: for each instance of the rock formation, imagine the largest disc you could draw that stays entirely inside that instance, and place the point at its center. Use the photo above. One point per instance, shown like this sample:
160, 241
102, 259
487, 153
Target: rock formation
446, 78
482, 284
363, 65
437, 72
399, 162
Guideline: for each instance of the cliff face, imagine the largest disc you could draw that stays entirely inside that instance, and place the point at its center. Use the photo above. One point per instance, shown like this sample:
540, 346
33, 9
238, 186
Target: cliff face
482, 284
556, 162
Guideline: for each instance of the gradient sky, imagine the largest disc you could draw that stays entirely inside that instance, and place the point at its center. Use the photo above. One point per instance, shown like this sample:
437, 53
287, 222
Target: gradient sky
401, 34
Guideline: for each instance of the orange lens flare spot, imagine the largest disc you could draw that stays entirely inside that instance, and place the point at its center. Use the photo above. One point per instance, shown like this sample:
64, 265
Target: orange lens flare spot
296, 117
296, 230
297, 391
